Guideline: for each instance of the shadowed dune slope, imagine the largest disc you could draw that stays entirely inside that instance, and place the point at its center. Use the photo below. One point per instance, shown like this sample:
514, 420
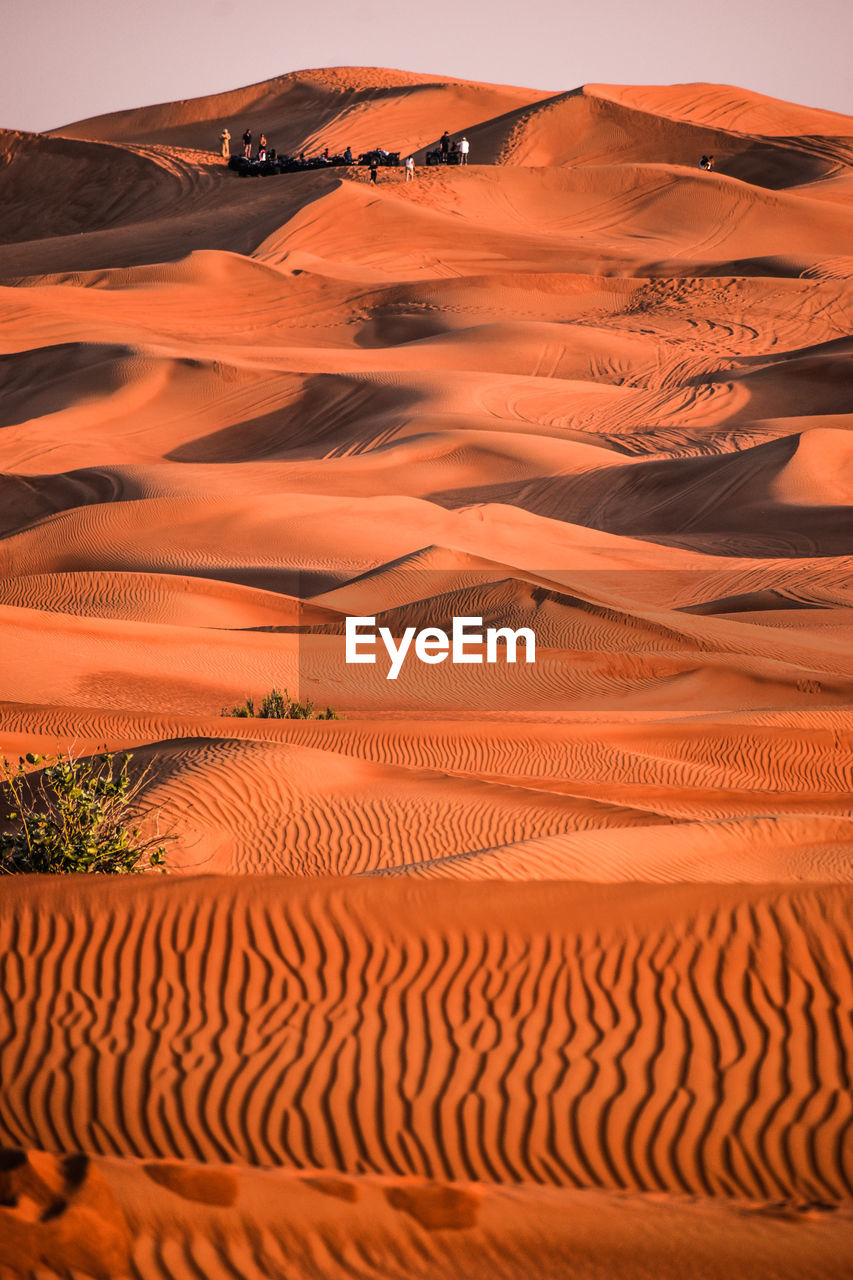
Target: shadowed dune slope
82, 206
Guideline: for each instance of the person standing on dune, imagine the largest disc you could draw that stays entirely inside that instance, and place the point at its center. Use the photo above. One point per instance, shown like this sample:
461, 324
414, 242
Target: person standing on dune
247, 144
444, 143
225, 144
410, 168
374, 170
464, 146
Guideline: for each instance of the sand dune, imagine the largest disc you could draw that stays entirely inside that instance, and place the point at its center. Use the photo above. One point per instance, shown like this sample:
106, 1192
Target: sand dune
268, 806
162, 598
161, 1218
334, 106
601, 123
730, 107
580, 387
680, 1040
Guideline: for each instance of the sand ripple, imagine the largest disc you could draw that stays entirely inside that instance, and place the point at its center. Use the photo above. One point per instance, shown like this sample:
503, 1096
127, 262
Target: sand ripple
679, 1040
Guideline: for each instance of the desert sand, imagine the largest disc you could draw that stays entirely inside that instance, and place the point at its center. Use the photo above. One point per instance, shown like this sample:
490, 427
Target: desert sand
521, 971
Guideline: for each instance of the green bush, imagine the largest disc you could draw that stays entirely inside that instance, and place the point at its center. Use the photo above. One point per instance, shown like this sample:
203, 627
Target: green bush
74, 816
278, 705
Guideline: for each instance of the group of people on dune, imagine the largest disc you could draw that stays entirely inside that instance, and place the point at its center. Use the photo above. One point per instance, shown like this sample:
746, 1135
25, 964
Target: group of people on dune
453, 147
225, 145
447, 147
225, 138
448, 151
408, 165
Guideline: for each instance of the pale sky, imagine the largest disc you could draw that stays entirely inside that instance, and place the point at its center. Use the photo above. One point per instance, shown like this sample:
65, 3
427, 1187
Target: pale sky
68, 59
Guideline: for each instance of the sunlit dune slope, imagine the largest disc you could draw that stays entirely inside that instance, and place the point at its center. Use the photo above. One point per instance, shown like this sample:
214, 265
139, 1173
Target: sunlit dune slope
317, 812
336, 107
514, 1034
596, 124
729, 107
726, 797
157, 1218
294, 805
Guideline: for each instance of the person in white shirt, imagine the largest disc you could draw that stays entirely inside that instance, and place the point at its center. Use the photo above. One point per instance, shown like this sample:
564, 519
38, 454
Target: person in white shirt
410, 168
463, 150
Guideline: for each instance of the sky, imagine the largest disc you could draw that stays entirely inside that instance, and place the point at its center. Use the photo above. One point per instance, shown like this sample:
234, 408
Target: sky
67, 61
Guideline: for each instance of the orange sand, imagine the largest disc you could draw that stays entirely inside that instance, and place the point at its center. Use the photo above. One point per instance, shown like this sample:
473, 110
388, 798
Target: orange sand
582, 387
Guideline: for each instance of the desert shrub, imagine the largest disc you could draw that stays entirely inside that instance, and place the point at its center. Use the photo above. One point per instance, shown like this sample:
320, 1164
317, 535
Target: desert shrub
278, 705
74, 816
246, 711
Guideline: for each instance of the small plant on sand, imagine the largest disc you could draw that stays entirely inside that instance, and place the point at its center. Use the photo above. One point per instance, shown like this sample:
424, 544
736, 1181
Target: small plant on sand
74, 816
278, 705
